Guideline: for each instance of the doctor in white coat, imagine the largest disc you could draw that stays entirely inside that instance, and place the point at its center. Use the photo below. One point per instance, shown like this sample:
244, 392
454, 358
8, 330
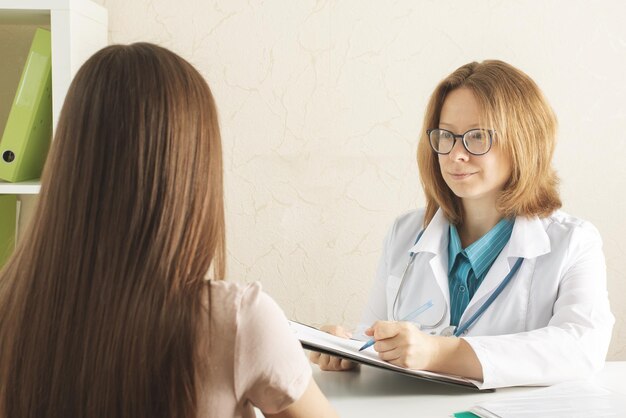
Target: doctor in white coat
514, 289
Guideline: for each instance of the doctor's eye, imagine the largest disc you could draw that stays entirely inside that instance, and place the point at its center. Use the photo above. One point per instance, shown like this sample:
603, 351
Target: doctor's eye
441, 140
477, 141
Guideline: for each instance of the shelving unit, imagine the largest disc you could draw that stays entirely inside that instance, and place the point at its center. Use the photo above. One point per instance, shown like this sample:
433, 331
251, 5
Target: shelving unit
24, 187
78, 27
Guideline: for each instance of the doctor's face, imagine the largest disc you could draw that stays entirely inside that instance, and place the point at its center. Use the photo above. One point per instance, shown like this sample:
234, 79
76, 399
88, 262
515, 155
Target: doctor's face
470, 177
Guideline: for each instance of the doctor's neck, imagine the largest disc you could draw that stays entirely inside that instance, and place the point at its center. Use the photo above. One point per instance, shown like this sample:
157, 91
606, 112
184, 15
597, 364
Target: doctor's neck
479, 216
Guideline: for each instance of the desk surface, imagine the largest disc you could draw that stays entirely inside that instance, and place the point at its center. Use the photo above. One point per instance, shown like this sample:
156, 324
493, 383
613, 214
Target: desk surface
372, 392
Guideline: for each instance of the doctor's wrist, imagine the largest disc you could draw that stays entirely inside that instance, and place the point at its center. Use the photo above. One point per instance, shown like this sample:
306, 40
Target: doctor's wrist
454, 355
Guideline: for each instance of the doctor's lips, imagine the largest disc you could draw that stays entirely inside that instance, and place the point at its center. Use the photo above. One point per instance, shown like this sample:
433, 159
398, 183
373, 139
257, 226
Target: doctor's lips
460, 176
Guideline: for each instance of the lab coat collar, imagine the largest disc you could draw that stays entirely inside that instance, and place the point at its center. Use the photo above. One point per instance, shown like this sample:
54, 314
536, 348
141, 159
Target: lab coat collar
528, 240
435, 237
434, 240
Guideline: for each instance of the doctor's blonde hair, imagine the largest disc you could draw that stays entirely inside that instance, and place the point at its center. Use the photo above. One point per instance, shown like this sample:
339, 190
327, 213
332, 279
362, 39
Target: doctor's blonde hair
513, 105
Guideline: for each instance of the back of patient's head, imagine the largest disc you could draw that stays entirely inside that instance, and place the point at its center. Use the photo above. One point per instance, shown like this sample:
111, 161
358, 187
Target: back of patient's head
99, 304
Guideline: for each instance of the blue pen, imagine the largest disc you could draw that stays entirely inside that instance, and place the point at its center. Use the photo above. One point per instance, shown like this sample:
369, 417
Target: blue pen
409, 317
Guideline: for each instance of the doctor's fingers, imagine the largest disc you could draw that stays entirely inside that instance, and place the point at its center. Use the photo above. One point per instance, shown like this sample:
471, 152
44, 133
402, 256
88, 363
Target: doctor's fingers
314, 357
401, 357
388, 344
409, 339
333, 363
388, 329
397, 351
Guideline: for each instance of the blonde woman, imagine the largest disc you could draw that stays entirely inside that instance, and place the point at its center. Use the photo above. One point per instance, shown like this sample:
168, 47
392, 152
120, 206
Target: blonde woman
104, 307
512, 290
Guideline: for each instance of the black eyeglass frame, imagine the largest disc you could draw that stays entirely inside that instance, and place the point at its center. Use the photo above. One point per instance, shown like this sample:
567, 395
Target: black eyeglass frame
491, 133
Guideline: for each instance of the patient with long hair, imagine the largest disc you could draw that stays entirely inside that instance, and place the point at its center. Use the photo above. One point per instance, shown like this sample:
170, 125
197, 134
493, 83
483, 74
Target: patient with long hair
105, 306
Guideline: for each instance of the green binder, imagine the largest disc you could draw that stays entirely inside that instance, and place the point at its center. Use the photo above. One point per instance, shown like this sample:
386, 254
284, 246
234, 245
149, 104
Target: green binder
8, 227
28, 130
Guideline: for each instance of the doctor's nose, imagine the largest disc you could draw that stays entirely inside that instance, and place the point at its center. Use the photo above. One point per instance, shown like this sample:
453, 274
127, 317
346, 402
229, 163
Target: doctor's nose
458, 152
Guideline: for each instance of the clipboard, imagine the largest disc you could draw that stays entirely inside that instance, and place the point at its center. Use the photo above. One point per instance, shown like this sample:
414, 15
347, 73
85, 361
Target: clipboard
313, 339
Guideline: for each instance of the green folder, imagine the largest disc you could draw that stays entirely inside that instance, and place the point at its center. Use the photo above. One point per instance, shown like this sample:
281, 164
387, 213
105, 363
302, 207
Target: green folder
8, 218
28, 130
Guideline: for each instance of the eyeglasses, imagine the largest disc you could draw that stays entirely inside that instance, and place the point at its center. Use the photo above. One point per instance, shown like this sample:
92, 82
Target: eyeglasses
475, 141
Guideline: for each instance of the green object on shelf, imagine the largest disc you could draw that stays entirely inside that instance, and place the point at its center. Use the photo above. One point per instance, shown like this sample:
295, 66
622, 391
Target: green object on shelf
8, 219
28, 131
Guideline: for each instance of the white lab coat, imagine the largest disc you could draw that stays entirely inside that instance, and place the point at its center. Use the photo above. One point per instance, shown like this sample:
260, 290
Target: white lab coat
551, 323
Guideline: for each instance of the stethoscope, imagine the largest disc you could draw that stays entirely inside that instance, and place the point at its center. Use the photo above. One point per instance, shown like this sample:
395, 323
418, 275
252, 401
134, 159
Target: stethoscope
462, 328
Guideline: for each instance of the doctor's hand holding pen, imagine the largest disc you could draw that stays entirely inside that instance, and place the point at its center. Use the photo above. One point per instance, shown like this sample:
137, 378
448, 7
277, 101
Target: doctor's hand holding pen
403, 344
400, 343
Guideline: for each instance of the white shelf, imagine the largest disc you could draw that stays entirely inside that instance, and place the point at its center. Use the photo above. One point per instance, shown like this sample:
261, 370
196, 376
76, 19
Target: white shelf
79, 28
23, 187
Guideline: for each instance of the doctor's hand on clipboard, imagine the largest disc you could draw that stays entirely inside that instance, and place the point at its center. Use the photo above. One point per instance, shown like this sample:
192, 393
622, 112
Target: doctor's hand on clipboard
404, 344
399, 343
332, 363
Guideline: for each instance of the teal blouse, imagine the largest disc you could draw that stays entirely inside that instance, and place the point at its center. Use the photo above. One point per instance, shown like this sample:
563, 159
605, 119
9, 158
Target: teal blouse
468, 267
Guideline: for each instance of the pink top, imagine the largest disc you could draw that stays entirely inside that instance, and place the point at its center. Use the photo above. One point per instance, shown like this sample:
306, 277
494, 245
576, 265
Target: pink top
253, 357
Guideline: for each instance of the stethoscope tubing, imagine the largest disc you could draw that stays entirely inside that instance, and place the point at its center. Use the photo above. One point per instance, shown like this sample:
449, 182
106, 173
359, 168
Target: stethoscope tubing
462, 328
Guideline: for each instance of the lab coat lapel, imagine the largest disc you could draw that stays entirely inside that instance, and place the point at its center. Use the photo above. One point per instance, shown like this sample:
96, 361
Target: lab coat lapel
434, 240
528, 240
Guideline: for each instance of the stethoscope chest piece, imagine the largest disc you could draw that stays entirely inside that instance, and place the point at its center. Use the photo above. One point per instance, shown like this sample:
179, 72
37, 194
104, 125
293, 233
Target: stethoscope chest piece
448, 331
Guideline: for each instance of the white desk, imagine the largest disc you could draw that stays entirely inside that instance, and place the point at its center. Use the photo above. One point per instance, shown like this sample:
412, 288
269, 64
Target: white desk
377, 393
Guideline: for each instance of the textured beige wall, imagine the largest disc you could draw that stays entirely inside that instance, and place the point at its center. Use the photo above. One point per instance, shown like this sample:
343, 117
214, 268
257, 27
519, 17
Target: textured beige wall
321, 104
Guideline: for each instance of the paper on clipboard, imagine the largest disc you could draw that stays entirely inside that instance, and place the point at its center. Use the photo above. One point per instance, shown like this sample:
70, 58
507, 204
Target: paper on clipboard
316, 340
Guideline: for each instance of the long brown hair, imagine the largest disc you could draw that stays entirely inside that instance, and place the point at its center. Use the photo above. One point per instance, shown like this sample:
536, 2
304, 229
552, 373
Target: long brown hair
99, 304
513, 105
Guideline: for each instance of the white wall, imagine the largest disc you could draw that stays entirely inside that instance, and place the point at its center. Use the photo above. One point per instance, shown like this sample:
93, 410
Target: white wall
321, 106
